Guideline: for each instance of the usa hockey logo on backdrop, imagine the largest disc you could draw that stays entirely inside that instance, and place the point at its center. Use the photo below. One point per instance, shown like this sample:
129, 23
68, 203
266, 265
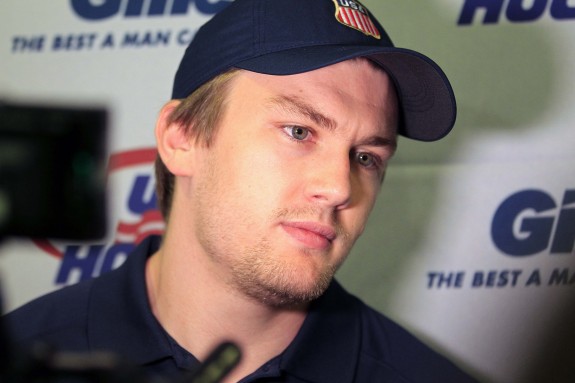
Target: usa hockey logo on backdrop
133, 216
354, 15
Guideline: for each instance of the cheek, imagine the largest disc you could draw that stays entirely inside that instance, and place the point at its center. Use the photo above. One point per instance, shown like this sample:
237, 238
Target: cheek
269, 167
253, 179
358, 214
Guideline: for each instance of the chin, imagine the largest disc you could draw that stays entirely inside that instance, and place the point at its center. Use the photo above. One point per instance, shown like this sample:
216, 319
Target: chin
288, 290
284, 280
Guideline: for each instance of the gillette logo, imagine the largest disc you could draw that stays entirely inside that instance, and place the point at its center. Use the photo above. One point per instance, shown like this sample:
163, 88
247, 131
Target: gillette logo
136, 217
531, 221
96, 10
515, 10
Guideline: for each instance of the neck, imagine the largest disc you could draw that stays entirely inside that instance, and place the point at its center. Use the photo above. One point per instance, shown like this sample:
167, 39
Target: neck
199, 309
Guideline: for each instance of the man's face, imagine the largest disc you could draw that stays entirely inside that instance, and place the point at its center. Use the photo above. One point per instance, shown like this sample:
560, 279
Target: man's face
285, 189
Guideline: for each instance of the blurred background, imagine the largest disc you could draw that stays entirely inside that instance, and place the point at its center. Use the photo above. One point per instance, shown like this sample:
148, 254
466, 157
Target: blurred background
471, 244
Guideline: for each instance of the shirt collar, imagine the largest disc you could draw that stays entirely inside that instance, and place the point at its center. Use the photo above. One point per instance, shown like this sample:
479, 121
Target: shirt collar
327, 346
120, 316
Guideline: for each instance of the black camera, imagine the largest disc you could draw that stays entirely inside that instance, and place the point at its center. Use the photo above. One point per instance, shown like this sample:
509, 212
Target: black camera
52, 172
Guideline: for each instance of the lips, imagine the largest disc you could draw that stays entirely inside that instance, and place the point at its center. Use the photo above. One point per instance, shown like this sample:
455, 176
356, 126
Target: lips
310, 234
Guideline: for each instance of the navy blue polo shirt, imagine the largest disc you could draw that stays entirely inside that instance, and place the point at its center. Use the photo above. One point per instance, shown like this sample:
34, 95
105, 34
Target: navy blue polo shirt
341, 340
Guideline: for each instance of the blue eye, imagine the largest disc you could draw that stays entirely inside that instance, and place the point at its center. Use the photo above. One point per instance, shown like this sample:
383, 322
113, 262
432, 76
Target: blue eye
297, 132
365, 159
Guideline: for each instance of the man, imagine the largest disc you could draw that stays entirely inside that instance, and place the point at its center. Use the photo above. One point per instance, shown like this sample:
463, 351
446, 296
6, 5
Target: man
272, 152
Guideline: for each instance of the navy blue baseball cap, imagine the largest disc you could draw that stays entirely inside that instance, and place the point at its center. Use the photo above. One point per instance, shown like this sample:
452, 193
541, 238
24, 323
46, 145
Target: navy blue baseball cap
283, 37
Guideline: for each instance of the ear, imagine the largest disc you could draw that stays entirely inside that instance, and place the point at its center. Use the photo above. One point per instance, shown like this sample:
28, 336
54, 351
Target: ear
174, 146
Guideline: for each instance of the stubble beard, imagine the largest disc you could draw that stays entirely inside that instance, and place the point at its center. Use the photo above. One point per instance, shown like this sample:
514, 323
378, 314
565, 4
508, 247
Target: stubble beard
262, 272
287, 278
278, 283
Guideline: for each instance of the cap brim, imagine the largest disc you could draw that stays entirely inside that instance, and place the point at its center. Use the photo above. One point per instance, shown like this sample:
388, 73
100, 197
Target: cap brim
427, 103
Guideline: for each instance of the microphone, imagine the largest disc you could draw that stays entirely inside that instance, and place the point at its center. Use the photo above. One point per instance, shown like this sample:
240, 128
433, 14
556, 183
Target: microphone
217, 365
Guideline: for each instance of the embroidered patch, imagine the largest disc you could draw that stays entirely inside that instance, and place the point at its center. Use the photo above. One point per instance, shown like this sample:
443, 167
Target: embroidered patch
354, 15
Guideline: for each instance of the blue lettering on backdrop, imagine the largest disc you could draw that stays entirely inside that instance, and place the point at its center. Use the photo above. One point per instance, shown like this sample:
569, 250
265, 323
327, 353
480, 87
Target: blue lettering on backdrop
76, 42
97, 260
89, 11
138, 203
74, 261
28, 44
523, 224
496, 278
73, 42
534, 232
561, 277
445, 279
564, 238
534, 278
499, 279
560, 10
516, 11
100, 10
492, 11
147, 39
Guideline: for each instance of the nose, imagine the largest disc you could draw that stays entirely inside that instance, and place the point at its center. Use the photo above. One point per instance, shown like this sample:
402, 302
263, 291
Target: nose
330, 183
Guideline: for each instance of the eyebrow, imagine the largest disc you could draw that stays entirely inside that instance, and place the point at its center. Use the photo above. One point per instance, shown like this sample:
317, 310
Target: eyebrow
296, 105
381, 141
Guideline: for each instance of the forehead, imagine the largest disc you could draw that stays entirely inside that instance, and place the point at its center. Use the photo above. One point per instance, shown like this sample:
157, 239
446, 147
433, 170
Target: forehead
352, 88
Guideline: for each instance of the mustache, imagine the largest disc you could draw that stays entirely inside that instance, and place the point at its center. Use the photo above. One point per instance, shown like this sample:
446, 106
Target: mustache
314, 214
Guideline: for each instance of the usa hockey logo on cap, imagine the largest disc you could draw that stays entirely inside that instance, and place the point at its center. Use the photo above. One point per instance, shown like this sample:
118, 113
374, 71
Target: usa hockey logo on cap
354, 15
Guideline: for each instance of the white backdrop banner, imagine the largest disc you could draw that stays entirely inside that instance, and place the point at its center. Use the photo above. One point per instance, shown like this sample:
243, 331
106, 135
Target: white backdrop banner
471, 244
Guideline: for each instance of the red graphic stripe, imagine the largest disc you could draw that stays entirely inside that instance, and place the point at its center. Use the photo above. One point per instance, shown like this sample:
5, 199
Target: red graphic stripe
131, 158
151, 223
48, 247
